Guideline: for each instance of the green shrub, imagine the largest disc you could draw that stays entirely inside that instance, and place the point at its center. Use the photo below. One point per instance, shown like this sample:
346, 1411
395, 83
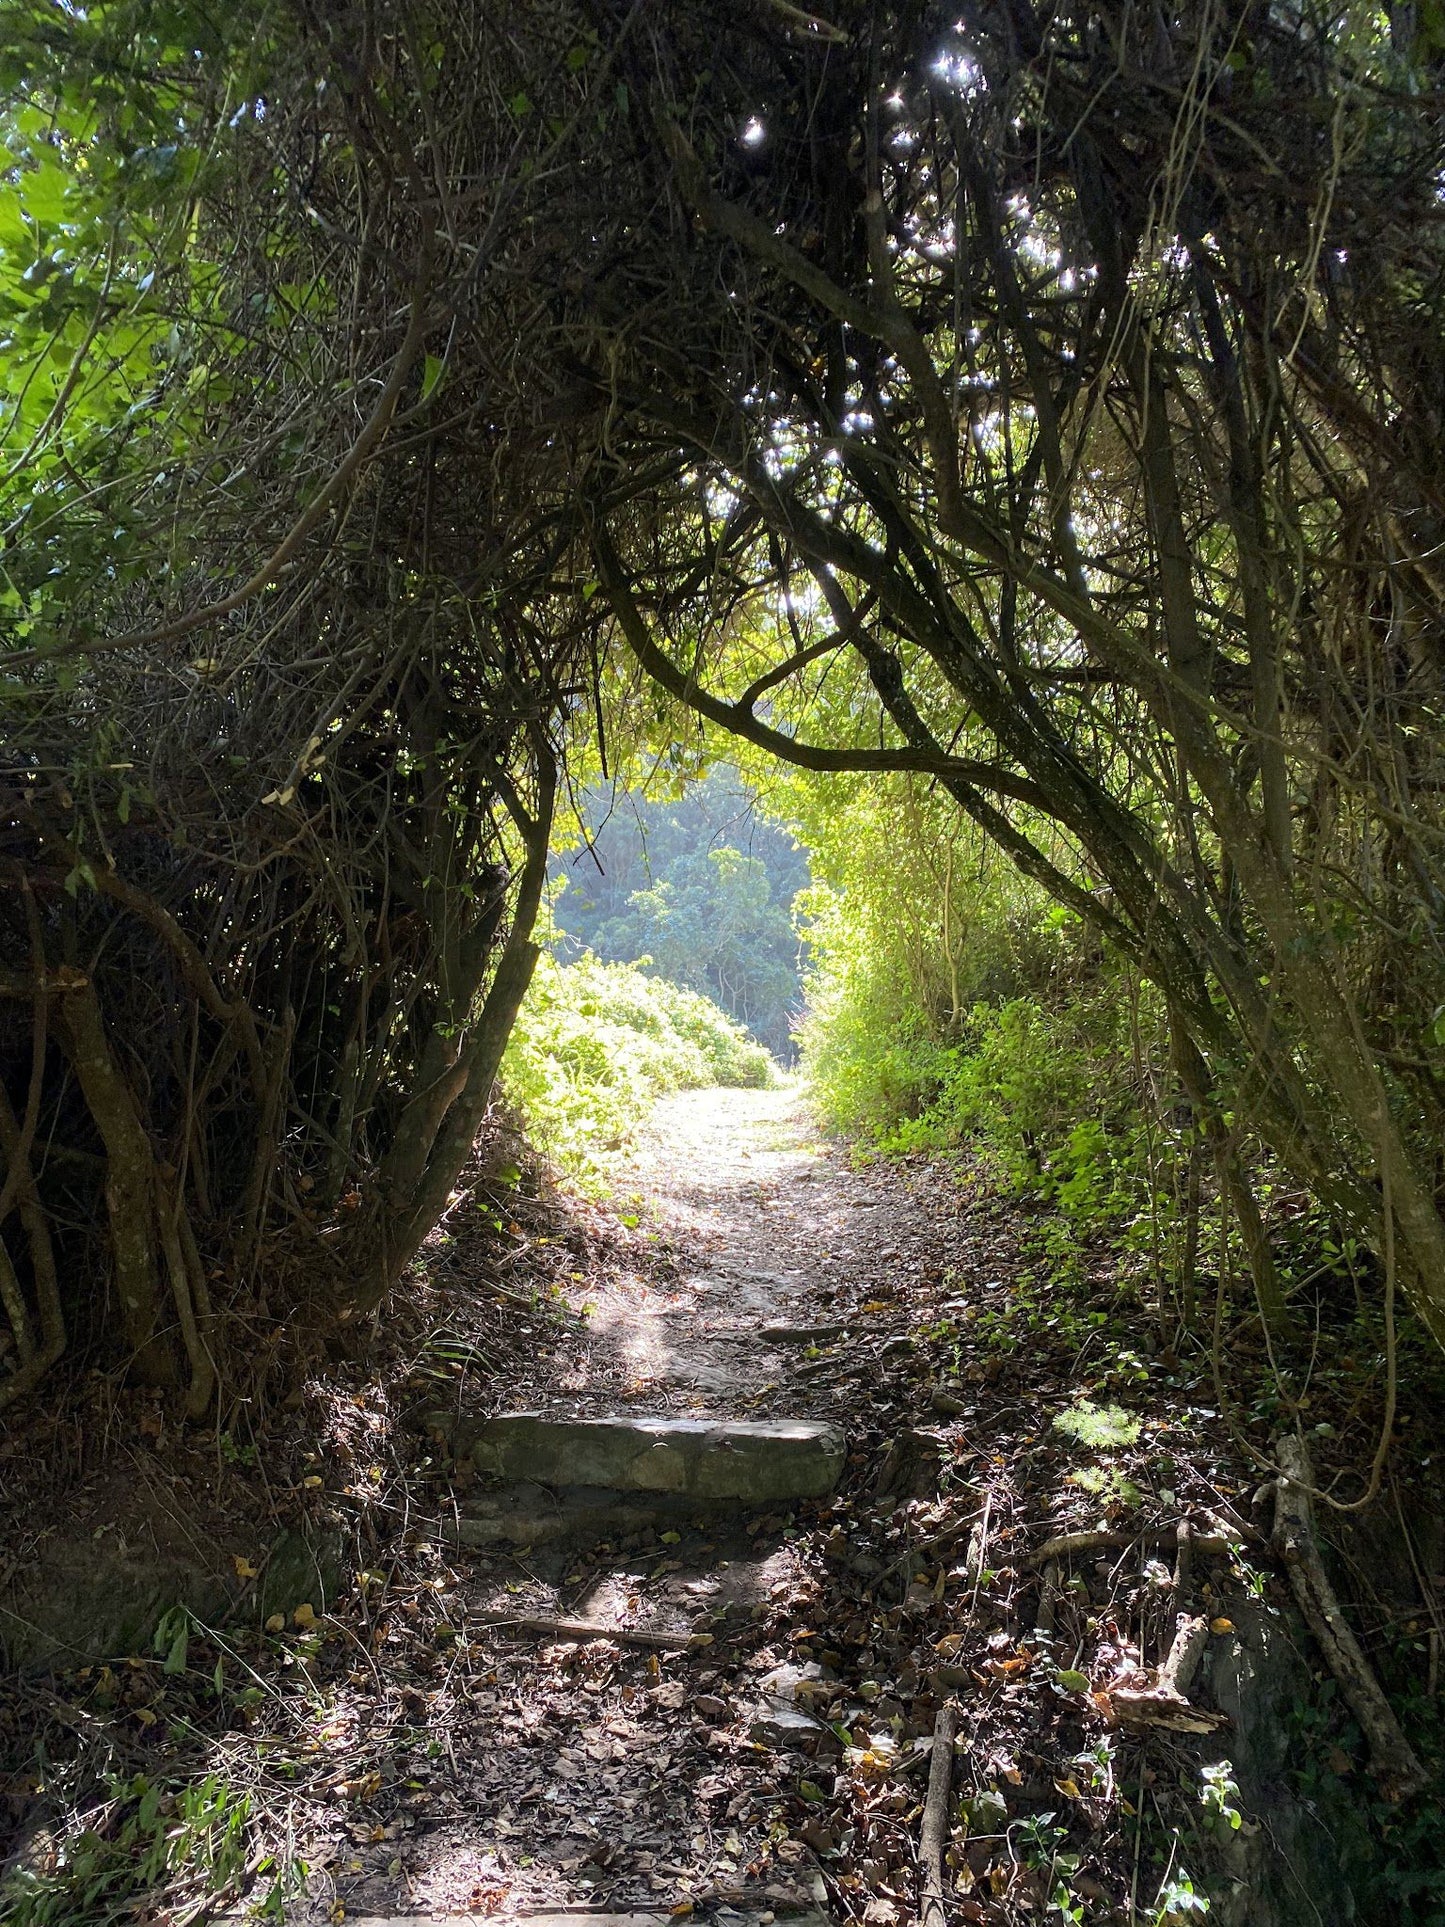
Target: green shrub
1049, 1095
146, 1836
597, 1042
950, 1002
1100, 1427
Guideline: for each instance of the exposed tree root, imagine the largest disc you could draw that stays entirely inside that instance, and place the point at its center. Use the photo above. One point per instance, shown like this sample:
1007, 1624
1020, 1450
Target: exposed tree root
546, 1627
1066, 1544
1392, 1759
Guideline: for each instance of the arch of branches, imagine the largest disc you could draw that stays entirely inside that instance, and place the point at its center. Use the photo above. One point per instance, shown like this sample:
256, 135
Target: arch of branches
1061, 392
1047, 399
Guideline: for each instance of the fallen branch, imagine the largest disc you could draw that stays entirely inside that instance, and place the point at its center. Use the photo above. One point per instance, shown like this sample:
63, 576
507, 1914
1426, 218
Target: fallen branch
1068, 1543
1184, 1561
1191, 1636
1166, 1701
934, 1833
978, 1546
1048, 1610
546, 1627
1392, 1759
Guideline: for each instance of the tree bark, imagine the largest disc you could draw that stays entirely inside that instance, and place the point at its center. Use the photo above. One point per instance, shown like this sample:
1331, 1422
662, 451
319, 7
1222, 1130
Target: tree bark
129, 1185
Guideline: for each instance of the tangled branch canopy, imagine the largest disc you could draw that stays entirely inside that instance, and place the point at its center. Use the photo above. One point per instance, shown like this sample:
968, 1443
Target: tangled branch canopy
1045, 400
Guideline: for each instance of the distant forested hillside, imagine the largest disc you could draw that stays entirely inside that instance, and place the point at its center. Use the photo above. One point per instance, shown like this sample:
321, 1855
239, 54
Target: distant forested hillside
703, 886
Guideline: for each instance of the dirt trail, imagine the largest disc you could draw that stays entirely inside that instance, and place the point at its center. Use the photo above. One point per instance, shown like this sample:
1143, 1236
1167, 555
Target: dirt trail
763, 1213
603, 1772
749, 1736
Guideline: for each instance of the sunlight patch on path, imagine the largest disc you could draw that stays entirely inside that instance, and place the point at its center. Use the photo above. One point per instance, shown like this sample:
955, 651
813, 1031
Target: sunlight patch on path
730, 1172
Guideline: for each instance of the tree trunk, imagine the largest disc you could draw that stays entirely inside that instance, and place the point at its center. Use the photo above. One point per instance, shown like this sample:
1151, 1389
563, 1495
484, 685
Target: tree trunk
129, 1185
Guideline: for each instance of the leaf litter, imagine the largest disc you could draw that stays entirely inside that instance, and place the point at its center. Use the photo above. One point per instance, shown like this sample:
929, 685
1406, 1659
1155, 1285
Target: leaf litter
402, 1753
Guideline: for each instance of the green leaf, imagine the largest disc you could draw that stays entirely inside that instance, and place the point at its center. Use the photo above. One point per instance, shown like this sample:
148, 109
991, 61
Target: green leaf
173, 1638
14, 230
431, 376
45, 190
1073, 1682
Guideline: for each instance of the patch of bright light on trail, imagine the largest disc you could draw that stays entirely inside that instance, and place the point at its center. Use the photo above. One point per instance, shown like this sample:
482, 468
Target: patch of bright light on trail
754, 134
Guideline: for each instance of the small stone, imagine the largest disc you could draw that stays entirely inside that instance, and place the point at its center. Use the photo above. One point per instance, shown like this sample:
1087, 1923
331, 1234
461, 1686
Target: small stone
784, 1727
783, 1681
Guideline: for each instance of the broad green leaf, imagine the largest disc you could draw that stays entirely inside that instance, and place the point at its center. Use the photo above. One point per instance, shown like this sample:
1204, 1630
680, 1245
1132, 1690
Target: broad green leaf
45, 190
14, 228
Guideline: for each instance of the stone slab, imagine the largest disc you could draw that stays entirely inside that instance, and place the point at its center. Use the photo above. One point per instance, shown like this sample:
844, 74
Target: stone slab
572, 1917
750, 1462
527, 1514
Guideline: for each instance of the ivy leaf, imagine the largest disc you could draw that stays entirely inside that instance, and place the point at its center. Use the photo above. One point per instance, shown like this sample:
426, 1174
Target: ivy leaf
45, 191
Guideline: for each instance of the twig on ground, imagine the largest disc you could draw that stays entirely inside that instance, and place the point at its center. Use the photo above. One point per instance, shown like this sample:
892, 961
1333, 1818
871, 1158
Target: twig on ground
933, 1835
1048, 1598
1392, 1758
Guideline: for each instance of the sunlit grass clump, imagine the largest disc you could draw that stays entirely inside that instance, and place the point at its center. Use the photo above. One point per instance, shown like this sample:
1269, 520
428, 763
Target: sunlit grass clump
1100, 1427
597, 1042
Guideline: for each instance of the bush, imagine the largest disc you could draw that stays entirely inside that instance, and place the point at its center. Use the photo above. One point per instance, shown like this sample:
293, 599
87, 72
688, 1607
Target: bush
1047, 1096
949, 1002
597, 1042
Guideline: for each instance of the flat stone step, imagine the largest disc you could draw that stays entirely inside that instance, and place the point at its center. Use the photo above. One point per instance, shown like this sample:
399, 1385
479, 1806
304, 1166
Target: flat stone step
749, 1462
571, 1917
580, 1916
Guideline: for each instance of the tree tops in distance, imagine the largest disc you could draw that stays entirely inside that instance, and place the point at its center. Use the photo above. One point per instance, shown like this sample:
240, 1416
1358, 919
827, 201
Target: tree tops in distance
701, 884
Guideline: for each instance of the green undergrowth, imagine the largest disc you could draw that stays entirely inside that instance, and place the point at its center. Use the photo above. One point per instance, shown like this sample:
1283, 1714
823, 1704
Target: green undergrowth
597, 1042
1047, 1096
191, 1838
951, 1005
